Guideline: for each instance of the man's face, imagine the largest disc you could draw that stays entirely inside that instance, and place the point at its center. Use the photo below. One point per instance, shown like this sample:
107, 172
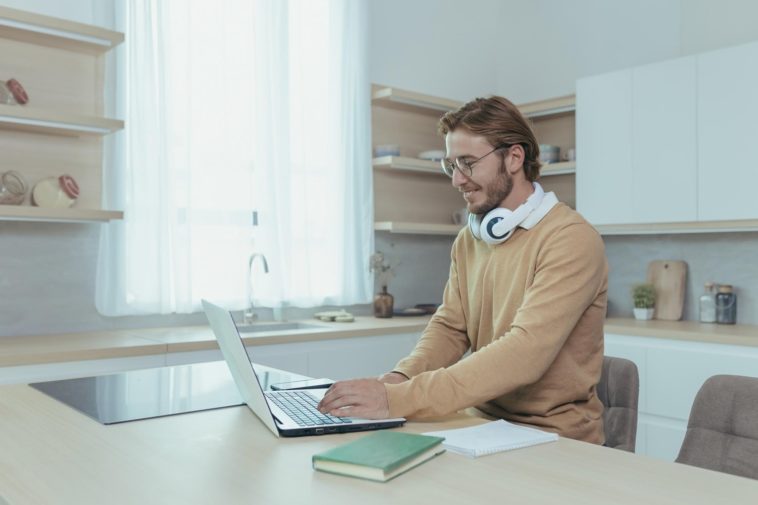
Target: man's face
489, 183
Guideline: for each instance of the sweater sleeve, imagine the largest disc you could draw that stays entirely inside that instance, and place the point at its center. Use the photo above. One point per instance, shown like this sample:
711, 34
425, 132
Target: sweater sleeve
444, 339
569, 274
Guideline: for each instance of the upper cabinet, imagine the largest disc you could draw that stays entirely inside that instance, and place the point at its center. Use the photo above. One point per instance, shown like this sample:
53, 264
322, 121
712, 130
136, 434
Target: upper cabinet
412, 195
61, 64
661, 146
727, 109
603, 127
636, 144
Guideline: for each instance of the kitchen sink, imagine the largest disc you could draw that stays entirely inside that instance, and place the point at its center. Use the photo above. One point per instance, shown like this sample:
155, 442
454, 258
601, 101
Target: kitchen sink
271, 327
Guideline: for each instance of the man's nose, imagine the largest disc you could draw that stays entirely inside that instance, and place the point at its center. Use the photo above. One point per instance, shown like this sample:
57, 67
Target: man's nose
458, 178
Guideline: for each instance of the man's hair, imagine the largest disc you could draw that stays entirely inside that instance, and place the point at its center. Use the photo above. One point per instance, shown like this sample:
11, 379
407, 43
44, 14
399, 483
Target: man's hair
501, 123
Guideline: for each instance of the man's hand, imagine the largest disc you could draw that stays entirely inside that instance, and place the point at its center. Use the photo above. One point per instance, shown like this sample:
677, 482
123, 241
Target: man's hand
365, 398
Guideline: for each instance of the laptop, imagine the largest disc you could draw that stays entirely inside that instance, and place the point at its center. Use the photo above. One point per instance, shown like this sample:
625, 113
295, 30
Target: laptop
286, 413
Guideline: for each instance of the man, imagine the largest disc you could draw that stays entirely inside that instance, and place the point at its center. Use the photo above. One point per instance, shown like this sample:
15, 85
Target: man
527, 295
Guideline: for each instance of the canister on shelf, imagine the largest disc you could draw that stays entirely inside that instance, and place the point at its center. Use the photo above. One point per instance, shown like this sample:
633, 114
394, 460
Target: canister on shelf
708, 304
56, 192
12, 188
11, 92
726, 305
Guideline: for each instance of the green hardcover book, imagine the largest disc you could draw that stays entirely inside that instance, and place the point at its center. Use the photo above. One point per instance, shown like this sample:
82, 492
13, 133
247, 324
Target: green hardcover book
380, 456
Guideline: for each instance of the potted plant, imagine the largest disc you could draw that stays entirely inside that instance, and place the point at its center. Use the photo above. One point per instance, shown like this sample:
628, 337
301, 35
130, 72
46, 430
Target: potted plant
644, 301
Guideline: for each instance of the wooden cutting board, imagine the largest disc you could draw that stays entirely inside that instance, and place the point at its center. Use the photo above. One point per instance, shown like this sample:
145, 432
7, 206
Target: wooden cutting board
669, 278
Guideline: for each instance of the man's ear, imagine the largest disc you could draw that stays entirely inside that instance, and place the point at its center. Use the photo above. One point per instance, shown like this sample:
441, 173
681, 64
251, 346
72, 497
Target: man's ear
518, 155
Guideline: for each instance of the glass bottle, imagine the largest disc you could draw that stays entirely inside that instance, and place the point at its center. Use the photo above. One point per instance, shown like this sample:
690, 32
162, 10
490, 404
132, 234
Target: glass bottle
708, 304
383, 304
726, 305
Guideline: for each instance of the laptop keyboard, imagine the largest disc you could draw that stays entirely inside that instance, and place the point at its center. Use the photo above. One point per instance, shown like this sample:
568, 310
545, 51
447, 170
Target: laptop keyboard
301, 407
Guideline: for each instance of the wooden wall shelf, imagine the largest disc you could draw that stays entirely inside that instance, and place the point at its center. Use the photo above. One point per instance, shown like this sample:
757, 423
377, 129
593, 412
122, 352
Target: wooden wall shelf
72, 215
54, 32
549, 108
411, 101
417, 228
408, 164
29, 119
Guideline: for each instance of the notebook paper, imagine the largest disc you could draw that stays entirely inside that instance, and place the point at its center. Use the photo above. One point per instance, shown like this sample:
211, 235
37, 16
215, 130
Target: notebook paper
492, 437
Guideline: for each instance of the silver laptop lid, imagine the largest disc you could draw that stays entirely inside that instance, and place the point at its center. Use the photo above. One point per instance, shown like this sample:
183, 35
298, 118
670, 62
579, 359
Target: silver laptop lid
236, 357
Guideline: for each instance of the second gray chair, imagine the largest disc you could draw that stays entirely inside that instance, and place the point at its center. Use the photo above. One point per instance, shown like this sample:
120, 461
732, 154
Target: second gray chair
619, 390
722, 431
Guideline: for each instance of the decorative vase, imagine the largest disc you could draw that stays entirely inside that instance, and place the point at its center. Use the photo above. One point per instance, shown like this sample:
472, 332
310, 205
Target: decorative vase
383, 303
643, 314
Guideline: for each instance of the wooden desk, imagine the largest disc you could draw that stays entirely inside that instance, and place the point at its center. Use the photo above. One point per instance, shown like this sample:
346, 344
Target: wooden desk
50, 453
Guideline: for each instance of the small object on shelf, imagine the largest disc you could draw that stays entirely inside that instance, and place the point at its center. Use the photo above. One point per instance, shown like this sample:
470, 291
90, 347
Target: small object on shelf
12, 93
410, 311
12, 188
55, 192
549, 153
339, 316
708, 304
570, 155
383, 304
644, 301
433, 155
429, 308
386, 150
726, 305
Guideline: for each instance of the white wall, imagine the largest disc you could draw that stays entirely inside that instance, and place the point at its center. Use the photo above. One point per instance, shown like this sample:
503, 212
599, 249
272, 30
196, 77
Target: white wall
439, 47
711, 24
81, 11
547, 44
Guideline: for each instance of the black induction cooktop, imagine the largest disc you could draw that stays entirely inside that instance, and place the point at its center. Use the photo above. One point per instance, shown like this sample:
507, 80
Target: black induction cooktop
156, 392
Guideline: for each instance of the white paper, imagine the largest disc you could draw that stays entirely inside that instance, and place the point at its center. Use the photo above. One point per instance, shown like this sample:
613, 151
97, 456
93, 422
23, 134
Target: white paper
492, 437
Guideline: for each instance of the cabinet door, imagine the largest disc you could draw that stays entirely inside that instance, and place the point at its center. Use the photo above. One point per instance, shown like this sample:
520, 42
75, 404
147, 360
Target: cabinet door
603, 148
727, 133
664, 173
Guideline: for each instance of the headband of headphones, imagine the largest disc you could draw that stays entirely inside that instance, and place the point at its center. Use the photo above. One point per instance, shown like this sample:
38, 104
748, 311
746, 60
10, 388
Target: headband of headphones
498, 225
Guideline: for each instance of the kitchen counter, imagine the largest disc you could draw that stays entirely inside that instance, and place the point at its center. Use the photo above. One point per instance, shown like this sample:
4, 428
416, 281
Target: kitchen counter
730, 334
42, 349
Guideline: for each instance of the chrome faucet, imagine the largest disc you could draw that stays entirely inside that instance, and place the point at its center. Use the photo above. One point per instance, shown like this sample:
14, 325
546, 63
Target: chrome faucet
250, 316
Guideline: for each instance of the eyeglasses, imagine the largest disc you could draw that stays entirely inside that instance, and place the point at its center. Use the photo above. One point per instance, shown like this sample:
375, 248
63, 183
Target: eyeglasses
463, 165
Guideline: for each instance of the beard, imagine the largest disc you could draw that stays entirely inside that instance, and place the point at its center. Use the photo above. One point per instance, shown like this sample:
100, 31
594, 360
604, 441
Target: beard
495, 193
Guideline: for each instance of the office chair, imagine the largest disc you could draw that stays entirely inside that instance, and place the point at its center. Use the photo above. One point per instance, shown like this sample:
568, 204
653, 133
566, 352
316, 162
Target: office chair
722, 431
619, 390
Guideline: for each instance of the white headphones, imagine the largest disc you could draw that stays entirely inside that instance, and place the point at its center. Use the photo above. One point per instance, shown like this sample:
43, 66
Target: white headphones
498, 225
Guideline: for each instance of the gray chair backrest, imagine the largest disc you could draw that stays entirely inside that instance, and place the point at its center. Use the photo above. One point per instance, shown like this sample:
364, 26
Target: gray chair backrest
722, 432
619, 390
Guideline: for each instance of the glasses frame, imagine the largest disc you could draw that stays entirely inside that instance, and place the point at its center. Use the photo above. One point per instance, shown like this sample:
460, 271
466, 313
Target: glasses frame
465, 167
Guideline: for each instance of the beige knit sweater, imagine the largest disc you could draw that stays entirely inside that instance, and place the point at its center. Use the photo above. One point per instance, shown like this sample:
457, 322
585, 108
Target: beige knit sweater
531, 310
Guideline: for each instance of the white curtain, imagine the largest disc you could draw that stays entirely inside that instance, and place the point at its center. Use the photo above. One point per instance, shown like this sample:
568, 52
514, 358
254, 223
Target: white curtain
231, 107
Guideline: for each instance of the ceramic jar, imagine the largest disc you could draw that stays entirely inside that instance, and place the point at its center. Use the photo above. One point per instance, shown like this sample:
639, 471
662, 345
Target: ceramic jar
12, 188
55, 192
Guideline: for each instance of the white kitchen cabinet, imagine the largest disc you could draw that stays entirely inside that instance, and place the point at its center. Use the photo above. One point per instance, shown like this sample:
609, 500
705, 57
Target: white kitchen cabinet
603, 147
663, 142
671, 374
341, 358
636, 144
727, 109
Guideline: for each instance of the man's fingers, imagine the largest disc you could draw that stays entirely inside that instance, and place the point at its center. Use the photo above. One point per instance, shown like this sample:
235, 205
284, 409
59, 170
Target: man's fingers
338, 402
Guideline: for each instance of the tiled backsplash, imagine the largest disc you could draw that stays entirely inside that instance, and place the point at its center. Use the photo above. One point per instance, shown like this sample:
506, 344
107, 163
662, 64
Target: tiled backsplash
723, 258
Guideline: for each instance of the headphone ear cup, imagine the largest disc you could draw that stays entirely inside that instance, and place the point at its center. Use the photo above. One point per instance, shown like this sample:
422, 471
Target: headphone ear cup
488, 230
473, 225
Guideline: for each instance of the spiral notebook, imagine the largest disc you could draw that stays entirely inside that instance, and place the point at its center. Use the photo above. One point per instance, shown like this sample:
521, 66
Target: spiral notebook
492, 437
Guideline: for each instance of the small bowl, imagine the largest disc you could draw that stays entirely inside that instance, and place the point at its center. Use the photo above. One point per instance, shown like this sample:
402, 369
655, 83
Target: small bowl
387, 150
